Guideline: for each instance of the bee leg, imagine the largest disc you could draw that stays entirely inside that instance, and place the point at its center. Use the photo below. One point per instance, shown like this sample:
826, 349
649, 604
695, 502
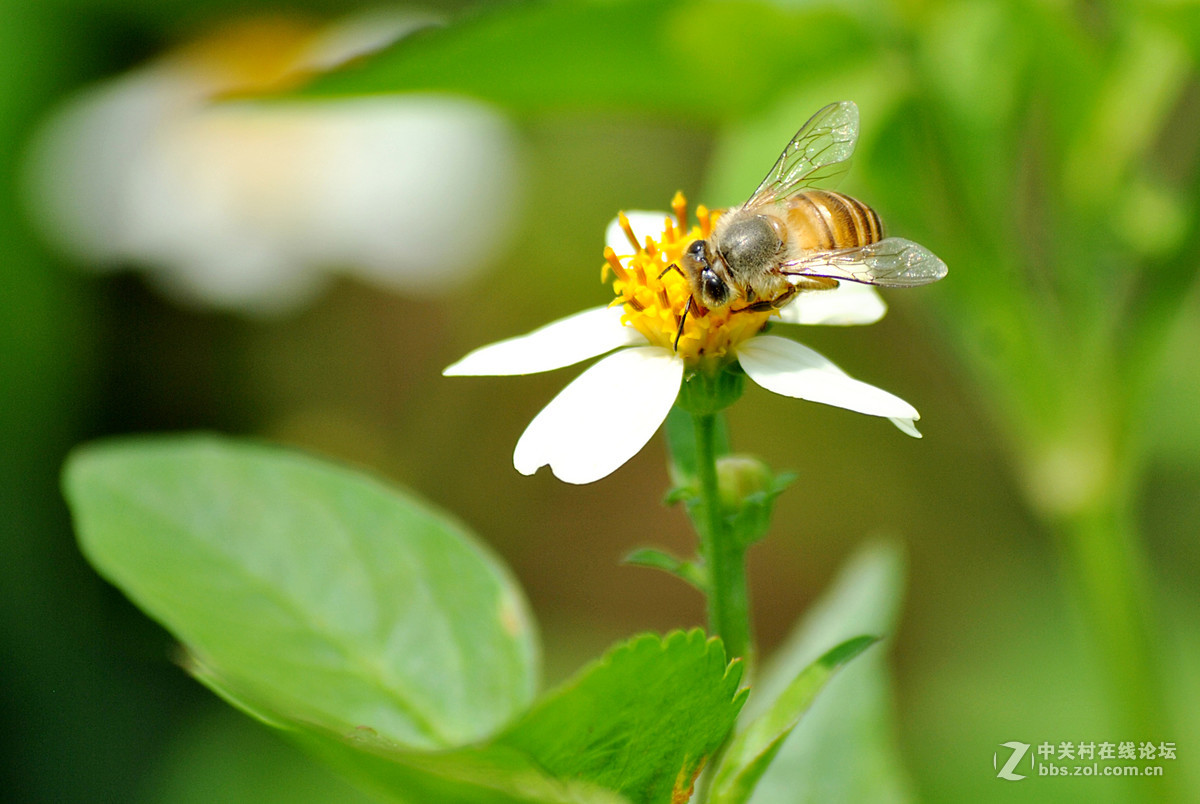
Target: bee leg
757, 307
679, 332
764, 305
801, 282
669, 268
687, 308
785, 297
808, 283
824, 283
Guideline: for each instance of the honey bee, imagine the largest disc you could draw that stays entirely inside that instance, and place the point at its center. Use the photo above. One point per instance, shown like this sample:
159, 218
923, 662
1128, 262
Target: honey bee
788, 238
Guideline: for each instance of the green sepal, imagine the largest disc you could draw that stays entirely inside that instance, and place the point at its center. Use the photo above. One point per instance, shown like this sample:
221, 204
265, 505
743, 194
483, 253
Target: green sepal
688, 570
750, 520
707, 392
679, 494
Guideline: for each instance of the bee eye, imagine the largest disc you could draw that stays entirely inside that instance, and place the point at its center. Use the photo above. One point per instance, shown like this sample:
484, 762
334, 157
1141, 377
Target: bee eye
696, 252
714, 287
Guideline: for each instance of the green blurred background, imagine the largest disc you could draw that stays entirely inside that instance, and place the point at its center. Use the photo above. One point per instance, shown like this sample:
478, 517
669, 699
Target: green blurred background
1046, 150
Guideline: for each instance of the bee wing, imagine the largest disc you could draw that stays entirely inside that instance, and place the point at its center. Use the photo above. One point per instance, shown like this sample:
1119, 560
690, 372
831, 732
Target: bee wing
892, 262
819, 152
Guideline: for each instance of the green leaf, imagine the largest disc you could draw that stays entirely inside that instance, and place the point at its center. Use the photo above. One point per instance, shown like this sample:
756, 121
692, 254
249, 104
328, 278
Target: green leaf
653, 558
306, 592
751, 751
222, 756
626, 55
843, 749
487, 774
641, 721
636, 726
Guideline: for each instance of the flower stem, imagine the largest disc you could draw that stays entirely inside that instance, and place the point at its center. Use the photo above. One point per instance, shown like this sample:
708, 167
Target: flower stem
1111, 583
724, 554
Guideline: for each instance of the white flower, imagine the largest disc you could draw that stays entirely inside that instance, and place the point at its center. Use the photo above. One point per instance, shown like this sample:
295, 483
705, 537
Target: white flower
255, 206
608, 413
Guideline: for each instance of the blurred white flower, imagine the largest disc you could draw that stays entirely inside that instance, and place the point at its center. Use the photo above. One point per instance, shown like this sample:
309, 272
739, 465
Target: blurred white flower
253, 206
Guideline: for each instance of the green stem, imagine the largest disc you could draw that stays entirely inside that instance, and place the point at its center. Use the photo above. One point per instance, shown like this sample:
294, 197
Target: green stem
724, 554
1111, 583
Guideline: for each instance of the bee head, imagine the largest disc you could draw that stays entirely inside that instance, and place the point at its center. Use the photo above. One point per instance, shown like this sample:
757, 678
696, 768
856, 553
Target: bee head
712, 291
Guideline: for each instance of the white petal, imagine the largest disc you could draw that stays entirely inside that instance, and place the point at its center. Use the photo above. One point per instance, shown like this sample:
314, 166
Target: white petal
792, 369
643, 224
850, 303
604, 417
560, 343
907, 427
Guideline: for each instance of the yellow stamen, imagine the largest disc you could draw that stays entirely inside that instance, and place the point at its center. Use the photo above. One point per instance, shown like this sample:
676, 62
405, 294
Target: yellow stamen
624, 222
665, 301
705, 221
679, 207
611, 261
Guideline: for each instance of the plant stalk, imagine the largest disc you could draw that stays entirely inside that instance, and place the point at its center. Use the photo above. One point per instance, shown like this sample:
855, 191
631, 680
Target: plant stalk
723, 552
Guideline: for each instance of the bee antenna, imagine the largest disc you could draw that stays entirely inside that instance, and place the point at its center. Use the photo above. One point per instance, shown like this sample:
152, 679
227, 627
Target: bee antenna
679, 332
671, 267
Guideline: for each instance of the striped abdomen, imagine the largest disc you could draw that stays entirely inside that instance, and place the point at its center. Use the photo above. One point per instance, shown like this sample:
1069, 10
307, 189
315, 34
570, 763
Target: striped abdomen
820, 220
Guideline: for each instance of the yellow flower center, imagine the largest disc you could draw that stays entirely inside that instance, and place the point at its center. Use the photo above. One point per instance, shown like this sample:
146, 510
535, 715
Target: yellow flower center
655, 294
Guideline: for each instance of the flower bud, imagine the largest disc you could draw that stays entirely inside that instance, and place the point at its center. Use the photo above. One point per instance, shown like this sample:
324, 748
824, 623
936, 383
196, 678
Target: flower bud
740, 476
747, 489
